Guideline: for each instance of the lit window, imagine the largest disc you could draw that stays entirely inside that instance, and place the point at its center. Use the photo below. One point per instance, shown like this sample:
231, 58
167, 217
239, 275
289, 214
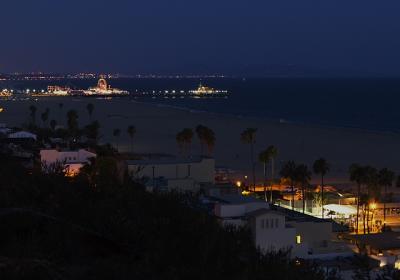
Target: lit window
298, 239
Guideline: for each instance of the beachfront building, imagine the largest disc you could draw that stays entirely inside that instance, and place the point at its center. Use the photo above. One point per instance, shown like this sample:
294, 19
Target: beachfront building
174, 174
72, 161
275, 228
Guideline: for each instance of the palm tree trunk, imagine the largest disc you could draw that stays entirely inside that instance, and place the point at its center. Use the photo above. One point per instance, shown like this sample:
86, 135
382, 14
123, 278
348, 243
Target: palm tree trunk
322, 195
368, 219
364, 219
272, 176
291, 182
358, 206
253, 166
304, 198
265, 181
384, 207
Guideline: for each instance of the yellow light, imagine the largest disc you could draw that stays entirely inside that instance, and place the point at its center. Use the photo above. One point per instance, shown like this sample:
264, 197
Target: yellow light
298, 239
372, 206
245, 192
238, 184
1, 110
397, 265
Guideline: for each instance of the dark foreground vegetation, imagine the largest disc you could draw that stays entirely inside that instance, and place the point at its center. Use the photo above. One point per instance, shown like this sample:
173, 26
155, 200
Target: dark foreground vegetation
96, 227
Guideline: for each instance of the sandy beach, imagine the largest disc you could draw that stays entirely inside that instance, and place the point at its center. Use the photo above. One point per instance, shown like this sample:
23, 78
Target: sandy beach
157, 126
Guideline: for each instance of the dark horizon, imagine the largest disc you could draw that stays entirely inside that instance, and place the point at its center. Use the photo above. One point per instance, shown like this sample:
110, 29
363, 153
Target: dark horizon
228, 37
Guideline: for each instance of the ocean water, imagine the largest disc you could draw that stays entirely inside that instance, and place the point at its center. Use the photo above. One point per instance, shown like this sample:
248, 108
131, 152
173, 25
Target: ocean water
371, 104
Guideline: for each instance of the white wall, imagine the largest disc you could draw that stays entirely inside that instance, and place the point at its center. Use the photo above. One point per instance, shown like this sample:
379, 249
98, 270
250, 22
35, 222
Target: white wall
270, 233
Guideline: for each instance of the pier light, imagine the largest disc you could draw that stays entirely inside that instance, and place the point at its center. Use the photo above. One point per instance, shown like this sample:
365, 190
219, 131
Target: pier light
298, 239
1, 110
238, 184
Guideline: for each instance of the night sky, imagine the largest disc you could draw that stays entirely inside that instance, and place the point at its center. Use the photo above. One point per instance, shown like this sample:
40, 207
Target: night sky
249, 37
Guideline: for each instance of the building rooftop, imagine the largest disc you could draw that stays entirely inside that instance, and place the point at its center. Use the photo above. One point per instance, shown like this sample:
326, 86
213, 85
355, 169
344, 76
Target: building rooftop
160, 161
300, 217
237, 199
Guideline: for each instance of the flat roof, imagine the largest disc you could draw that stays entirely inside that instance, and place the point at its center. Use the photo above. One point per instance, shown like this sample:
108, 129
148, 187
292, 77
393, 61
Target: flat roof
237, 199
160, 161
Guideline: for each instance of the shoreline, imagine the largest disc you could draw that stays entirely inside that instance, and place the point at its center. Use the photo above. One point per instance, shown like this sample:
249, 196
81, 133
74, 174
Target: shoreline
283, 121
157, 127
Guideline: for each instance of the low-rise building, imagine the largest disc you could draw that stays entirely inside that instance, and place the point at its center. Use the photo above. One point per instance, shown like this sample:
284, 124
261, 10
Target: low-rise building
276, 228
179, 174
72, 161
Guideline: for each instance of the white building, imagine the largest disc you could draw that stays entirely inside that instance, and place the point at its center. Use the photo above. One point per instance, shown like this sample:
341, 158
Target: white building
270, 232
275, 228
181, 174
73, 161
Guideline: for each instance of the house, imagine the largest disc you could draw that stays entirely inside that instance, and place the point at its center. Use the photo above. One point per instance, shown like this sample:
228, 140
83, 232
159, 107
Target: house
271, 232
72, 161
177, 174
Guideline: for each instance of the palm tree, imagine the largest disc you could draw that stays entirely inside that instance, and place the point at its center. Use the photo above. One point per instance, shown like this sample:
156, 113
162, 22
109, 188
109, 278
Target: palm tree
200, 131
209, 140
303, 177
357, 175
373, 192
72, 122
206, 137
33, 111
264, 158
180, 140
321, 167
184, 139
45, 116
288, 171
116, 134
273, 152
188, 136
92, 132
53, 124
386, 178
90, 108
248, 136
131, 132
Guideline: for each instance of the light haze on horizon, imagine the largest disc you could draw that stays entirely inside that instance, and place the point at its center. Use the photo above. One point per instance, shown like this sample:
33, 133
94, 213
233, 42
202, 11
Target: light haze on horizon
288, 37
